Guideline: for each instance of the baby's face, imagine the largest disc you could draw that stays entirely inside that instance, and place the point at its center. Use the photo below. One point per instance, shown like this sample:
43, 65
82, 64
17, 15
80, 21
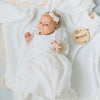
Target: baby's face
46, 24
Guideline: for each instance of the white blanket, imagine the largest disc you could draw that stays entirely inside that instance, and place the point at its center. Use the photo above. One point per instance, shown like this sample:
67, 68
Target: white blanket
85, 58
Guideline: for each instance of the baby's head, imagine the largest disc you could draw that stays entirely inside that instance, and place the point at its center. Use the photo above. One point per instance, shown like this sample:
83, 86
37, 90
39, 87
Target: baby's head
48, 24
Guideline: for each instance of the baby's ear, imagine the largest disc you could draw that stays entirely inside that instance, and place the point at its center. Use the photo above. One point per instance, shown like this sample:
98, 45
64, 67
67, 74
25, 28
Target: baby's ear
56, 27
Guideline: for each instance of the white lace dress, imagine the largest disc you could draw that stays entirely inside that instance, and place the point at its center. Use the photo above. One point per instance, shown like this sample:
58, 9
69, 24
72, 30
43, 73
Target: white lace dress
44, 73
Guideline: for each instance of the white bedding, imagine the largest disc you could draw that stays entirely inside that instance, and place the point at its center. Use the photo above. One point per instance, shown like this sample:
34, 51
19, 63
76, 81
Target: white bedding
85, 58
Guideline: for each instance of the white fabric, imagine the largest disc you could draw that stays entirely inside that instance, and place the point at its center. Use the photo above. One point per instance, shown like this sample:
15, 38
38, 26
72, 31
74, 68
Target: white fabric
85, 58
40, 2
10, 12
54, 17
43, 71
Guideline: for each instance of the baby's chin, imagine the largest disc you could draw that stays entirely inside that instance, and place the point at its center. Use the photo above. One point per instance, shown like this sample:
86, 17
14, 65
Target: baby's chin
42, 33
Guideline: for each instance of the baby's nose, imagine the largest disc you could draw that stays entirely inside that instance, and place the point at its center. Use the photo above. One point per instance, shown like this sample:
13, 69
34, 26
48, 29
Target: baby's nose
42, 25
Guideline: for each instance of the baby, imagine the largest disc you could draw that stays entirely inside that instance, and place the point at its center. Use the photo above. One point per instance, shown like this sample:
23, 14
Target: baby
45, 71
46, 26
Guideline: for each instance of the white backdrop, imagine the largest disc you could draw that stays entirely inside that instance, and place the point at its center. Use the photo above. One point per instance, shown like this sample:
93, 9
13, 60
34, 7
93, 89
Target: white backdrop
6, 95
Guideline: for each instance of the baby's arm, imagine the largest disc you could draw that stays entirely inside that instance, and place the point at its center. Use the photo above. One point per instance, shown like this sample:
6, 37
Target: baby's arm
60, 41
27, 37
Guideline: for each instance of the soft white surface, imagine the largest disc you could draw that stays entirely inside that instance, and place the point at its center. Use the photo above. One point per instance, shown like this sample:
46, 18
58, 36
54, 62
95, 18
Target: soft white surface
97, 9
4, 94
8, 15
79, 77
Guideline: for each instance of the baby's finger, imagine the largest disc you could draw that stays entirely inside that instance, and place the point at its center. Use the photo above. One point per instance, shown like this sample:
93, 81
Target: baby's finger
58, 46
58, 50
29, 34
55, 41
25, 36
51, 42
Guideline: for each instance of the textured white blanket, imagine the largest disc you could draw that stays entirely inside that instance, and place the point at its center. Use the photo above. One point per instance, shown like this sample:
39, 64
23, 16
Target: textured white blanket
85, 58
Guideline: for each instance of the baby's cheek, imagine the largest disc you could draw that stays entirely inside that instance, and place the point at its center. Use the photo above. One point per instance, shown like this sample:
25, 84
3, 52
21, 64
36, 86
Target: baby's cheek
49, 28
46, 29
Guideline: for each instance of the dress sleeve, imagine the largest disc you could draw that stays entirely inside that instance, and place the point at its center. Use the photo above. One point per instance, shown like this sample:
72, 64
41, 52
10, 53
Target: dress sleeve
62, 38
33, 32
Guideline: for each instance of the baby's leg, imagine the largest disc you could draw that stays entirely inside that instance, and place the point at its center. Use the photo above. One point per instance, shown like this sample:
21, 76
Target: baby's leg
61, 75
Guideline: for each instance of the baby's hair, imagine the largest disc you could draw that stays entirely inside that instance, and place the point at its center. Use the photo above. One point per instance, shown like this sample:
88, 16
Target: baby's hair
57, 15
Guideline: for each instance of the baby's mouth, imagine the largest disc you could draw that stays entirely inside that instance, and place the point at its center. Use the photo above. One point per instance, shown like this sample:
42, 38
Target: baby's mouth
42, 29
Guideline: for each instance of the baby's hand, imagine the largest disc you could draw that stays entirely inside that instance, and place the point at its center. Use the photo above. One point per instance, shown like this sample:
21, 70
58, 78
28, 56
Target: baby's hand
57, 46
27, 37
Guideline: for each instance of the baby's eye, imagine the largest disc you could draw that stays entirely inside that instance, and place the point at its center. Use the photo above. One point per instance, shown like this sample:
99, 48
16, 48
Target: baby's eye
46, 24
40, 22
